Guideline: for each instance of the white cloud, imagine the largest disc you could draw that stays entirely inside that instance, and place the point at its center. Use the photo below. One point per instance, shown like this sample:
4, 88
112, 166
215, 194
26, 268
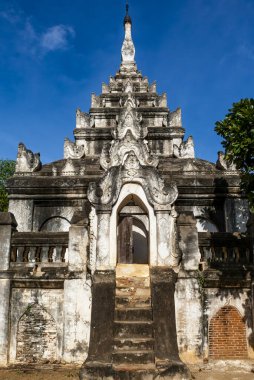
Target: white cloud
36, 43
11, 15
56, 38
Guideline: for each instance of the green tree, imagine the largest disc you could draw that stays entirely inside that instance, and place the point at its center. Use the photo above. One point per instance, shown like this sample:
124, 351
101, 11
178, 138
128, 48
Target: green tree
237, 131
7, 168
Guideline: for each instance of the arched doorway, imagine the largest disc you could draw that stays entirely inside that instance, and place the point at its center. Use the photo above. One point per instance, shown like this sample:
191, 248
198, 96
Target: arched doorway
132, 233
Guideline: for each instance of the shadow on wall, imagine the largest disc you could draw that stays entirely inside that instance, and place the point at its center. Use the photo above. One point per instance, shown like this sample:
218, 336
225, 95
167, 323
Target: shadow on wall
212, 218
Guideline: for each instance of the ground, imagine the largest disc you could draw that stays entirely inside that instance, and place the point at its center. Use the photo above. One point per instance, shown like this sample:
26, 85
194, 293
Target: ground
212, 371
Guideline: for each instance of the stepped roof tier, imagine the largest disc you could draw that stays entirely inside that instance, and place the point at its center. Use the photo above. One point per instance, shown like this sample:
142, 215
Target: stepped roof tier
130, 106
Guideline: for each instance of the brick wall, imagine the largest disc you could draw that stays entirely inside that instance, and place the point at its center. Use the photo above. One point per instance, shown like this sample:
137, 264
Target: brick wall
227, 335
36, 336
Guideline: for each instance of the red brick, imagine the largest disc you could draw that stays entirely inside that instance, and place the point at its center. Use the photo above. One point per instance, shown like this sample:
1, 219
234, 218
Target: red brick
227, 335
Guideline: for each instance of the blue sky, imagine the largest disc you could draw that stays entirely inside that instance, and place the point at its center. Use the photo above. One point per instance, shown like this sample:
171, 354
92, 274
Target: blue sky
55, 53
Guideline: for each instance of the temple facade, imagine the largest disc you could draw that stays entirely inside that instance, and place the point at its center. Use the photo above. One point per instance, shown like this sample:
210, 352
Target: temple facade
128, 257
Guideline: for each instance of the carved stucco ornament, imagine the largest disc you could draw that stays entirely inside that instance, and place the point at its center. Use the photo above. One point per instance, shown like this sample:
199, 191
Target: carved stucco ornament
69, 168
128, 86
128, 137
129, 119
175, 118
74, 151
185, 150
27, 161
107, 190
121, 148
82, 119
223, 164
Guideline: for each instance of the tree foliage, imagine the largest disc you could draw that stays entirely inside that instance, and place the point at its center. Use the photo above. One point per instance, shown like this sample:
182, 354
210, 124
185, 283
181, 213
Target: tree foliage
7, 168
237, 131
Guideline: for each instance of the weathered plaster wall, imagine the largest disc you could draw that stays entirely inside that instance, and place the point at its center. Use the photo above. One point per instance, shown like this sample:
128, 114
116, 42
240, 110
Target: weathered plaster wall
42, 213
77, 320
23, 212
4, 318
188, 317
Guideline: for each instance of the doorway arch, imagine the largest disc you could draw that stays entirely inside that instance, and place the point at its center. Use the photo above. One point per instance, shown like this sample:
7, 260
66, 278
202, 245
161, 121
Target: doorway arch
130, 191
132, 232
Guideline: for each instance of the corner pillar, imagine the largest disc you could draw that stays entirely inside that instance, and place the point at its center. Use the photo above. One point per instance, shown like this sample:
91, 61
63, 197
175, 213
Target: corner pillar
165, 338
188, 242
166, 237
103, 239
77, 319
102, 323
78, 243
7, 226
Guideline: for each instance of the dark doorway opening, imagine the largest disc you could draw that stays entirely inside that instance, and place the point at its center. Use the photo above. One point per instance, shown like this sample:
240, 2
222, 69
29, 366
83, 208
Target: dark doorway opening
132, 235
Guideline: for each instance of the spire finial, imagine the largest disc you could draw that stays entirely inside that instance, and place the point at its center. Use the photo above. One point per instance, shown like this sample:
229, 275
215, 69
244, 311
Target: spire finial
127, 16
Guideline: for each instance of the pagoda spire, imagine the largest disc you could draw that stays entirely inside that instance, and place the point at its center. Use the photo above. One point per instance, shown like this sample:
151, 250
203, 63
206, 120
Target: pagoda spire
128, 48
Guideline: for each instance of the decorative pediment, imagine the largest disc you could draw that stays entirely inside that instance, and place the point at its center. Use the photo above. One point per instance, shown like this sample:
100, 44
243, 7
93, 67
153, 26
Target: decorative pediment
107, 190
128, 137
128, 86
121, 148
129, 120
69, 168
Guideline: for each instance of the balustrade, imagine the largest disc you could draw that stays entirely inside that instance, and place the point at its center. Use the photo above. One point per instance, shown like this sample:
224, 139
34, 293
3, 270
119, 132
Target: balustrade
225, 249
35, 247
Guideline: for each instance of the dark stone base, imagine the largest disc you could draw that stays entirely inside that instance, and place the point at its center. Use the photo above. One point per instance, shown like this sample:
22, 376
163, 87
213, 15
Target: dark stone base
98, 371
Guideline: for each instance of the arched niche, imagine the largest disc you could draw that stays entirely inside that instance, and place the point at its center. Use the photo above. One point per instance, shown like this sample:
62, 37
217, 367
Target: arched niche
227, 335
55, 224
128, 192
36, 336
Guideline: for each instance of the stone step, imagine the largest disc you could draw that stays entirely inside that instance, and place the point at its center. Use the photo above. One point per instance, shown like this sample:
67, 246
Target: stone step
137, 329
133, 357
132, 270
136, 344
134, 314
127, 367
137, 282
130, 302
133, 292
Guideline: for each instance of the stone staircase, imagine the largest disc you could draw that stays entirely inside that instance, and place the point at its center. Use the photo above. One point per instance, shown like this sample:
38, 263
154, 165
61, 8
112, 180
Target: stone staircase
133, 319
